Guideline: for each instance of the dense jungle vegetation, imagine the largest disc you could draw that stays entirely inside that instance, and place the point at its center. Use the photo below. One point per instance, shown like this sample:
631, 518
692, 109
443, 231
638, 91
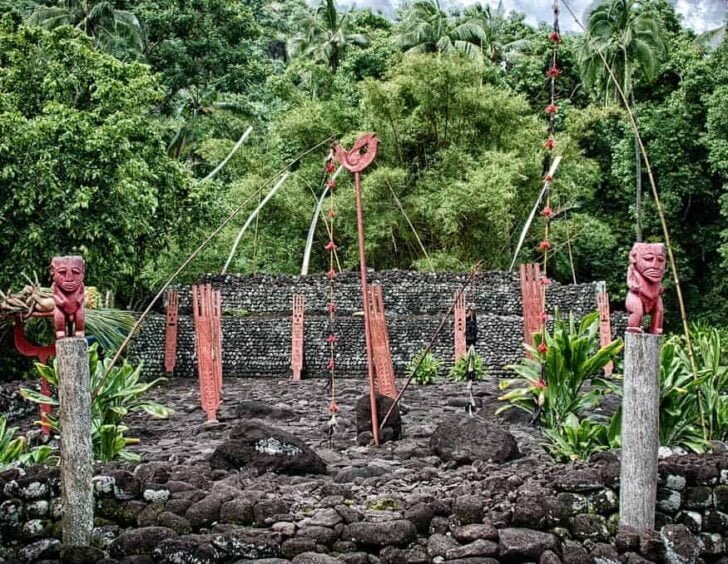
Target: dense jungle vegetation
112, 113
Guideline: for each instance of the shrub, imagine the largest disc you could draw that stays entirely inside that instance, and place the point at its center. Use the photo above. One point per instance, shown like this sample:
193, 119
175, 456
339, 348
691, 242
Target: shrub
459, 371
551, 381
120, 394
15, 449
424, 369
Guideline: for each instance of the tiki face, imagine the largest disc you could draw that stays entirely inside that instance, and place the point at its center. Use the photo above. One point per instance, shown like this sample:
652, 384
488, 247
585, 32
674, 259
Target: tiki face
67, 273
649, 260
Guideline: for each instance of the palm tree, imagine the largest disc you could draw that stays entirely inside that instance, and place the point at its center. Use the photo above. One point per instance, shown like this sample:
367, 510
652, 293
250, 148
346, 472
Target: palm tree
323, 35
629, 38
492, 23
111, 29
426, 28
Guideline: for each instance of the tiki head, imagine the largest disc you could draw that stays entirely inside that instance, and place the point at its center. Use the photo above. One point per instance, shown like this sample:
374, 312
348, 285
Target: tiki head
649, 260
67, 273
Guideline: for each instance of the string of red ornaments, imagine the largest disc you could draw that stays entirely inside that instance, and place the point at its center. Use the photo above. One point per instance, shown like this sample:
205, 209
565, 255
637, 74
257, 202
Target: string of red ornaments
545, 246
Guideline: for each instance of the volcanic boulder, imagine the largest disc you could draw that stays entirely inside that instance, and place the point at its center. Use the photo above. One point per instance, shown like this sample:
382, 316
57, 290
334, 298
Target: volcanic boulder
256, 446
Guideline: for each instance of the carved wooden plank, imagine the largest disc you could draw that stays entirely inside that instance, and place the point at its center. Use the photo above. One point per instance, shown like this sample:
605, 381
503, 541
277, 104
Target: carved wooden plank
297, 337
605, 324
170, 336
459, 326
209, 385
385, 382
216, 332
533, 303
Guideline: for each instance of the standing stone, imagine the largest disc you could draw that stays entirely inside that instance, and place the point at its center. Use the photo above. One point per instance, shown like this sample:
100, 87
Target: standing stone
76, 451
640, 428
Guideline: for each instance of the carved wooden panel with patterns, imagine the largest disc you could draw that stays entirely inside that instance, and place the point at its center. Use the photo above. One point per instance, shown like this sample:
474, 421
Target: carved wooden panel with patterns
605, 326
385, 382
459, 326
531, 292
205, 344
297, 337
170, 334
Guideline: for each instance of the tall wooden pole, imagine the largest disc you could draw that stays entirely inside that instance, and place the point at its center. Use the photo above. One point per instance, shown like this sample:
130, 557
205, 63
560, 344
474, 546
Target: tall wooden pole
76, 450
365, 304
640, 430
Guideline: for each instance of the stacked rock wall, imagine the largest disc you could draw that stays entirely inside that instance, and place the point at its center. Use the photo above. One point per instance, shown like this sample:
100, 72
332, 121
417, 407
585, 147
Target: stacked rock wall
515, 514
257, 320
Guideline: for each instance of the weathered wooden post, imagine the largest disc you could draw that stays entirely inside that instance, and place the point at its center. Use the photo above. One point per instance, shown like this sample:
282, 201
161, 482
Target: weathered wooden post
356, 161
641, 399
74, 396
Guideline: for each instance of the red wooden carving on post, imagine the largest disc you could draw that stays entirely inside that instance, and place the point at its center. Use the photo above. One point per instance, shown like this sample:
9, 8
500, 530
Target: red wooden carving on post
297, 337
644, 280
170, 337
205, 344
459, 326
533, 305
605, 324
385, 382
68, 294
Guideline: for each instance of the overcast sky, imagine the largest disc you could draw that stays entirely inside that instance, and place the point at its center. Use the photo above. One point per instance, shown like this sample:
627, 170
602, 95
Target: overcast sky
699, 15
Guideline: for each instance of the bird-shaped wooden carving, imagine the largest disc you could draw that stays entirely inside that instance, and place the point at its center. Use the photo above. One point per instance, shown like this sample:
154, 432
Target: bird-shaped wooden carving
361, 155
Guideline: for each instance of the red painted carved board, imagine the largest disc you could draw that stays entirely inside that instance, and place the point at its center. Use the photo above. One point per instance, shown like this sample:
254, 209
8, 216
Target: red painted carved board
170, 335
205, 344
385, 382
459, 326
216, 328
531, 292
297, 337
605, 326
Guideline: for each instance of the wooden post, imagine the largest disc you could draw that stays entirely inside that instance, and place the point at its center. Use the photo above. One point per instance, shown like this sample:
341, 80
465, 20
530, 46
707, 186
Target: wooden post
459, 326
533, 301
605, 322
297, 337
76, 451
170, 336
381, 353
640, 438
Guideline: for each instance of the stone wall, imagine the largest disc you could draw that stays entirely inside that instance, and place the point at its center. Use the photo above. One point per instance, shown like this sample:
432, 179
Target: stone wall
257, 321
513, 514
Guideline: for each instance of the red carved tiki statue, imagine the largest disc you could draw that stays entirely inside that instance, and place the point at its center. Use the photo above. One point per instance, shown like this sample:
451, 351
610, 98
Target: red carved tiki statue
68, 293
644, 277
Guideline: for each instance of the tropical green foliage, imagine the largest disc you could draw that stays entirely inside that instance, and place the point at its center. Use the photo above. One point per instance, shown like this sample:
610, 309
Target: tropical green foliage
553, 375
104, 156
119, 394
459, 371
15, 450
111, 29
424, 368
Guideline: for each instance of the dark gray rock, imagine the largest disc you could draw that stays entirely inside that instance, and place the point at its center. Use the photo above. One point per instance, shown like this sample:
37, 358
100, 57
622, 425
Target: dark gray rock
470, 533
438, 545
204, 512
262, 448
421, 515
297, 545
237, 512
389, 533
466, 439
314, 558
680, 545
516, 543
468, 509
364, 417
177, 523
254, 409
477, 548
81, 554
347, 475
139, 541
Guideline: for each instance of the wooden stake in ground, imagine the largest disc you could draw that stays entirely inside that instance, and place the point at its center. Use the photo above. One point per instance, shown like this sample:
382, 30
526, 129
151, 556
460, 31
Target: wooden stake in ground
76, 452
640, 425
